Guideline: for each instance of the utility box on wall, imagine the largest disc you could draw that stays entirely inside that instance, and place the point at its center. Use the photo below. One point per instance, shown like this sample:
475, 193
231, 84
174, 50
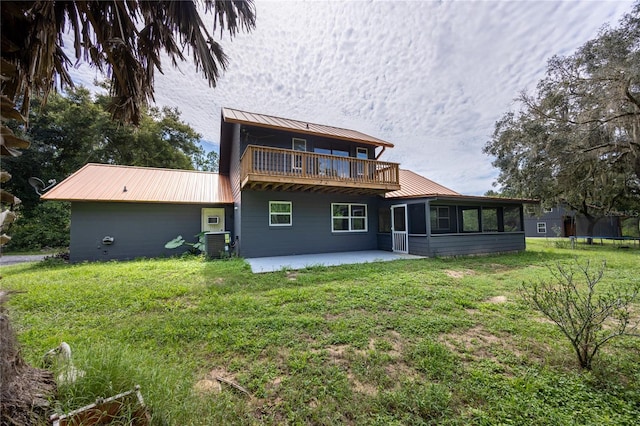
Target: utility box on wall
212, 219
217, 244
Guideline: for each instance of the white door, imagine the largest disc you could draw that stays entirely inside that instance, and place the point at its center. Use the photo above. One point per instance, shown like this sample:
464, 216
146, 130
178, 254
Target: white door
399, 234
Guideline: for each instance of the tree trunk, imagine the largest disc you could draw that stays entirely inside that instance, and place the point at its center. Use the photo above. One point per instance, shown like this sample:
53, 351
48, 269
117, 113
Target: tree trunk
25, 391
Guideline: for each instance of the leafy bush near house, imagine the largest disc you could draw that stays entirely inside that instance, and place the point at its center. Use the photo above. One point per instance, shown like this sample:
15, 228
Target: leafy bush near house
47, 225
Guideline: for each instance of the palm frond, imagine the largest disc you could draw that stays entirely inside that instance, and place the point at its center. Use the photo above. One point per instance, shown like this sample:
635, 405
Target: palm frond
123, 39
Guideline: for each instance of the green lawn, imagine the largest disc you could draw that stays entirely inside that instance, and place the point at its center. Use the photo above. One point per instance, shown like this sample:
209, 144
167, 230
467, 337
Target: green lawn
432, 341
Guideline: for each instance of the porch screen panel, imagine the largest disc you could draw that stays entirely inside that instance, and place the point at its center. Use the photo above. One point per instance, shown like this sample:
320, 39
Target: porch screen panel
512, 222
384, 220
490, 220
417, 219
470, 217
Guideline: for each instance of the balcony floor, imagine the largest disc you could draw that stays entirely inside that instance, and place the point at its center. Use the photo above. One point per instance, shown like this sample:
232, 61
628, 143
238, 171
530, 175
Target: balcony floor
289, 183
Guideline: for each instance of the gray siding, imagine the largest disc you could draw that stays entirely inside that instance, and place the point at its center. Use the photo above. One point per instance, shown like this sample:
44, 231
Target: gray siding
419, 245
311, 225
280, 139
384, 242
466, 244
138, 229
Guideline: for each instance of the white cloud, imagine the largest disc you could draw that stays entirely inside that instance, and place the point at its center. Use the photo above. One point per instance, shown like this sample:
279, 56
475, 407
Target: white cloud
430, 77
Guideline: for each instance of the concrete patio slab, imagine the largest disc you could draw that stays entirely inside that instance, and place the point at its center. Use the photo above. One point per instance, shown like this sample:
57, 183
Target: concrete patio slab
277, 263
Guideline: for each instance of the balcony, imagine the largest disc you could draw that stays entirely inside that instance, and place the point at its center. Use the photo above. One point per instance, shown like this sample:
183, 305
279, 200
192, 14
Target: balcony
275, 169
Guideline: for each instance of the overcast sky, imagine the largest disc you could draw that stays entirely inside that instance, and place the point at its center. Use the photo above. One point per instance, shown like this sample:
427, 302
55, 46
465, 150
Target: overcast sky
430, 77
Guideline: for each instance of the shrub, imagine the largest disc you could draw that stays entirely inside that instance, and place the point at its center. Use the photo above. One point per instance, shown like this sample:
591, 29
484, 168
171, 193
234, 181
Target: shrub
588, 319
47, 225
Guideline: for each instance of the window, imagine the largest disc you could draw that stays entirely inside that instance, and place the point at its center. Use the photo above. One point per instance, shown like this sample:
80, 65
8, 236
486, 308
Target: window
280, 213
384, 220
542, 228
297, 159
329, 166
470, 217
417, 219
440, 219
490, 219
547, 209
213, 220
361, 154
348, 217
512, 222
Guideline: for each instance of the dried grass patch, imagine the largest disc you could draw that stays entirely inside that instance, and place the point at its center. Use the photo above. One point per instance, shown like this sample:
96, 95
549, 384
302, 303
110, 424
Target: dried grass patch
459, 274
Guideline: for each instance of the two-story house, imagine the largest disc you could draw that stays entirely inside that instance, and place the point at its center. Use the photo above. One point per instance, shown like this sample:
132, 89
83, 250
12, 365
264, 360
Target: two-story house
284, 187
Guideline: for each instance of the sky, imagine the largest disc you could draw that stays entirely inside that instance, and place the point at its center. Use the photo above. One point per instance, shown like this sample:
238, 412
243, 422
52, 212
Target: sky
430, 77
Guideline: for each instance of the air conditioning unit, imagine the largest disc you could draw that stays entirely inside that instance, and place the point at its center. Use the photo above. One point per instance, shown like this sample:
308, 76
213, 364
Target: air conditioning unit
217, 244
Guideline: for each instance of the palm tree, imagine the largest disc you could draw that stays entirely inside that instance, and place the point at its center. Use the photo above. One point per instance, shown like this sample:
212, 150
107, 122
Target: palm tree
123, 39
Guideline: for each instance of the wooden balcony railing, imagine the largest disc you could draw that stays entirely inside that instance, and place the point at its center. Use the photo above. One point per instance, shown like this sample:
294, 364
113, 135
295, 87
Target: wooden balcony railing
274, 168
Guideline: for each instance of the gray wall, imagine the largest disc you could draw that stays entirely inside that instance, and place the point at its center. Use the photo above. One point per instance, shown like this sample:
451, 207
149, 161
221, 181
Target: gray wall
459, 245
283, 139
138, 229
311, 225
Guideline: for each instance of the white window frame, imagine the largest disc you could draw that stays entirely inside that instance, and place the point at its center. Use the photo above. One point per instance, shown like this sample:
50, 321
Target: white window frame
272, 213
446, 215
213, 220
547, 210
361, 154
297, 159
350, 217
542, 227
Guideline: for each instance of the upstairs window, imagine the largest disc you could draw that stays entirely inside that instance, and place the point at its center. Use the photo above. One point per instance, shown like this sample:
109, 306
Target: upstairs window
348, 217
280, 213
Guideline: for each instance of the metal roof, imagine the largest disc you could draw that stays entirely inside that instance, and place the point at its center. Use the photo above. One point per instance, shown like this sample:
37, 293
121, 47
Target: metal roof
230, 115
104, 182
414, 185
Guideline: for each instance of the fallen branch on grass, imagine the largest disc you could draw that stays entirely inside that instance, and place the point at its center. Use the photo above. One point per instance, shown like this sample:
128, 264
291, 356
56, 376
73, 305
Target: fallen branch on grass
232, 384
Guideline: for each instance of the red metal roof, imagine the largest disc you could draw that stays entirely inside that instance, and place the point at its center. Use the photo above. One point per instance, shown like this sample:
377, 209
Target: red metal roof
230, 115
414, 185
103, 182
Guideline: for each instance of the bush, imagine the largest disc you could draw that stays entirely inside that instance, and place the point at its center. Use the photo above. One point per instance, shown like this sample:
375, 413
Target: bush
588, 319
46, 226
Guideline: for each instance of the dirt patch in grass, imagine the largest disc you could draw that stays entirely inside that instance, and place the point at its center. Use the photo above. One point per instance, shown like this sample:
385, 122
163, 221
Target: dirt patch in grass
210, 383
360, 387
392, 344
476, 344
497, 299
459, 274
